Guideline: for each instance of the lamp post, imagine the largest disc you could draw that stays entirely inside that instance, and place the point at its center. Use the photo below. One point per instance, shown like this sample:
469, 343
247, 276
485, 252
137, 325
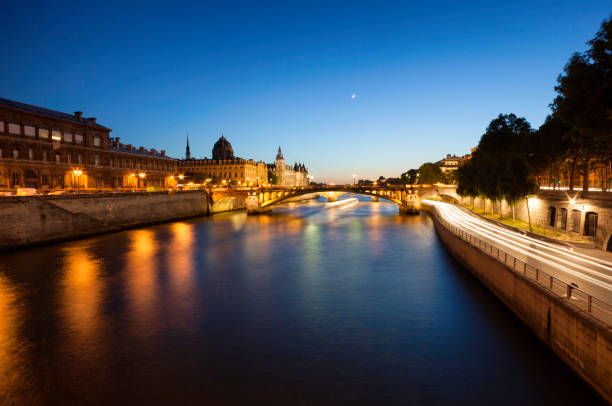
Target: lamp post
77, 173
142, 176
354, 179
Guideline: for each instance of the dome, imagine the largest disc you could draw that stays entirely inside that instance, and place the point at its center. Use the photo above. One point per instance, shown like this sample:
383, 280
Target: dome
222, 150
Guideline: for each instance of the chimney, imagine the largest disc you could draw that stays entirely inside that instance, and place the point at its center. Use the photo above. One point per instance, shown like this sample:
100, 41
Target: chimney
129, 147
78, 114
163, 152
142, 150
153, 151
92, 119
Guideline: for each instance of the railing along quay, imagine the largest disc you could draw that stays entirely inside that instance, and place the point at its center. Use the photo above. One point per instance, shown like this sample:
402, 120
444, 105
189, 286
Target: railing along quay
592, 305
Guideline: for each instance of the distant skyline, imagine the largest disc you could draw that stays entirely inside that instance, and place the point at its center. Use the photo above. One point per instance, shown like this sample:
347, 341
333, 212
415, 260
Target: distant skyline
349, 88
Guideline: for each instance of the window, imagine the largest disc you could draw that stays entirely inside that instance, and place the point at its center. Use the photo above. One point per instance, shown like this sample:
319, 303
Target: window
111, 163
97, 160
43, 133
563, 219
1, 152
30, 153
14, 128
2, 178
1, 126
44, 178
44, 156
16, 178
56, 135
552, 216
15, 153
57, 158
98, 182
78, 138
29, 130
68, 157
96, 141
575, 221
67, 136
79, 159
590, 224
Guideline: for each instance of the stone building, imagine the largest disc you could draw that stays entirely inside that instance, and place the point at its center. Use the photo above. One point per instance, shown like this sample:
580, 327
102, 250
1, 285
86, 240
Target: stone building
223, 167
50, 150
296, 175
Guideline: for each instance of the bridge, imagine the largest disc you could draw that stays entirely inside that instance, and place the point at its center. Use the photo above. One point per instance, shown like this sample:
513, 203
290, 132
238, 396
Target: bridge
260, 199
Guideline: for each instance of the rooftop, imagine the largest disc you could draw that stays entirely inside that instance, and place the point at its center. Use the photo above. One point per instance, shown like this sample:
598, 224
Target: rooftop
75, 118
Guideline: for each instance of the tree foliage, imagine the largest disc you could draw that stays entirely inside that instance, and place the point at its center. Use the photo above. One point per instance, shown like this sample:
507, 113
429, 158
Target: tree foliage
502, 167
584, 102
429, 173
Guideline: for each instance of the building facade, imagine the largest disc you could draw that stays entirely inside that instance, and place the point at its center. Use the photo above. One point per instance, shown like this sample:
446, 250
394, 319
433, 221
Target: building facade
50, 150
286, 175
223, 168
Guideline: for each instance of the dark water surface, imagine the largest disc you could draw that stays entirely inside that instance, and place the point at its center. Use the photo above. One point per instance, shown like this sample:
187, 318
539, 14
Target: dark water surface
308, 305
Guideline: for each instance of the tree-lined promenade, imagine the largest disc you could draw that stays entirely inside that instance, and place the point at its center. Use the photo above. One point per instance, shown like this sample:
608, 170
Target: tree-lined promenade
573, 145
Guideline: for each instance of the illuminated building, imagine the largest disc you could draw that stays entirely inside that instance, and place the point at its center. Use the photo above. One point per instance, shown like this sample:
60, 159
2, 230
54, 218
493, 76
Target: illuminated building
50, 150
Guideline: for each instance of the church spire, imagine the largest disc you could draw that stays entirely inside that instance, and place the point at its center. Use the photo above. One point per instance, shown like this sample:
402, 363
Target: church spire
280, 154
187, 152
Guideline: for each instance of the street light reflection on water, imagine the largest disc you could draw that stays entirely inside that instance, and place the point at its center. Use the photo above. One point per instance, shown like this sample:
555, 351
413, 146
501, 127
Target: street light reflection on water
350, 303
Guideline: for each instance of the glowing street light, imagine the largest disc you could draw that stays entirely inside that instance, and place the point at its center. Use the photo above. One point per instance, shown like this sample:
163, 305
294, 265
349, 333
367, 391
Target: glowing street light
77, 173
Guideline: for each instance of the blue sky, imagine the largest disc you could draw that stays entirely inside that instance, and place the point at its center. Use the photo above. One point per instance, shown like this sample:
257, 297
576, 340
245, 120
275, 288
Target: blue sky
427, 76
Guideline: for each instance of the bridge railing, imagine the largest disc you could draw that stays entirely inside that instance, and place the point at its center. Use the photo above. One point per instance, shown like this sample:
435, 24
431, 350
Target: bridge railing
596, 307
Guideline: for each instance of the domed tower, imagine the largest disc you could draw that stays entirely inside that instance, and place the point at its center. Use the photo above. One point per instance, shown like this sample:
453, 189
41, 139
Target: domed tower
222, 150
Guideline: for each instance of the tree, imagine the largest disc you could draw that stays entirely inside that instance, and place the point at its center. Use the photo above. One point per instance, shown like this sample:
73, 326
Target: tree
409, 177
551, 147
272, 178
503, 165
584, 103
429, 173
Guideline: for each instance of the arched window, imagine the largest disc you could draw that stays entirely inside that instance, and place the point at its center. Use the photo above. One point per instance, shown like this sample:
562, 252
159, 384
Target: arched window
552, 216
590, 224
563, 219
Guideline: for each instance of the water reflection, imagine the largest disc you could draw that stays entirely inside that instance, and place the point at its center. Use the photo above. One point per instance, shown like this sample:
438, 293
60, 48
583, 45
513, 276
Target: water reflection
141, 282
302, 305
14, 350
180, 269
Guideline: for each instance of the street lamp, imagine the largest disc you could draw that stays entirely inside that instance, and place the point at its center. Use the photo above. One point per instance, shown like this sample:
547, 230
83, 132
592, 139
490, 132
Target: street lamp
77, 173
354, 178
142, 175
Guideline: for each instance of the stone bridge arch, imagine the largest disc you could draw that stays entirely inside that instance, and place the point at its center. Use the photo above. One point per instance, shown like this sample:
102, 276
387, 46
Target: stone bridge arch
228, 203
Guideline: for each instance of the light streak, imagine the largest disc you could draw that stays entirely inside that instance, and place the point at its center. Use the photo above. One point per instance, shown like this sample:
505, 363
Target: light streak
553, 257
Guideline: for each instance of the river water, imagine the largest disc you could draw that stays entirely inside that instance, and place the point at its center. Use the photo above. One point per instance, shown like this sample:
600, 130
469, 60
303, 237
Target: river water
310, 304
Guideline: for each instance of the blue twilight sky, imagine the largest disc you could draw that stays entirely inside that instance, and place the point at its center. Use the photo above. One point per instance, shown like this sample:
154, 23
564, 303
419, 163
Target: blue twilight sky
427, 76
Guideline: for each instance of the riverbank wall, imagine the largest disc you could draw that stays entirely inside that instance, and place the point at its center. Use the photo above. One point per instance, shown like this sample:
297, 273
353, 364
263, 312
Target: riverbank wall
583, 342
31, 220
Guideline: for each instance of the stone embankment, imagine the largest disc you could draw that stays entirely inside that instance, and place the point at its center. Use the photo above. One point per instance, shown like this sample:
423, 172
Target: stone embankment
32, 220
580, 340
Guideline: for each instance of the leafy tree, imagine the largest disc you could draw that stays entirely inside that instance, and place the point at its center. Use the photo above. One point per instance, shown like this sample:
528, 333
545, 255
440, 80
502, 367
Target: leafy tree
409, 177
584, 102
429, 173
503, 165
272, 178
551, 146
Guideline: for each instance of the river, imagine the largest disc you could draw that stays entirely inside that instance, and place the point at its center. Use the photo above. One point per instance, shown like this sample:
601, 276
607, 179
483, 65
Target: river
310, 304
